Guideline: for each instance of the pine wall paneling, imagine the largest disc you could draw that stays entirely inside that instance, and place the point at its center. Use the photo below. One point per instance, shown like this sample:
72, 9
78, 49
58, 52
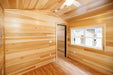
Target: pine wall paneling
1, 41
28, 35
101, 60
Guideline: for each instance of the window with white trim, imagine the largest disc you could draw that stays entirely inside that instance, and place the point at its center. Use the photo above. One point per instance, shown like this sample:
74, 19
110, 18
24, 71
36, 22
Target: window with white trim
88, 37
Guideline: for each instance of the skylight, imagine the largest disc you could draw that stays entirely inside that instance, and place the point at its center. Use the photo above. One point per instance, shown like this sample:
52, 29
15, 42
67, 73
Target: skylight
70, 2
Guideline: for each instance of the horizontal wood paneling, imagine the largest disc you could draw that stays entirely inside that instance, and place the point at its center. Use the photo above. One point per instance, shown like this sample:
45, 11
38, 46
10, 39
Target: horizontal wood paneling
64, 66
28, 33
1, 41
101, 60
1, 57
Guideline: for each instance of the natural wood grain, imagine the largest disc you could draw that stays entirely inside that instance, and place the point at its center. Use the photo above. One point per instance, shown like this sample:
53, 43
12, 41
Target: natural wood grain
86, 7
41, 4
5, 3
63, 66
28, 33
65, 10
101, 60
2, 55
57, 5
32, 4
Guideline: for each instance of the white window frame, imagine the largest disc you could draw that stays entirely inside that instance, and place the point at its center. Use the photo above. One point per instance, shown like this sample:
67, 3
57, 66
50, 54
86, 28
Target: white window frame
86, 37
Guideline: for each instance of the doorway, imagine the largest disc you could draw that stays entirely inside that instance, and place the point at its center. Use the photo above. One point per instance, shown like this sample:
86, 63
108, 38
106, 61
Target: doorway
61, 39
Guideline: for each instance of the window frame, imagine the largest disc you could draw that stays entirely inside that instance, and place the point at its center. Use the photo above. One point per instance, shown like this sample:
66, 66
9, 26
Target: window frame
103, 37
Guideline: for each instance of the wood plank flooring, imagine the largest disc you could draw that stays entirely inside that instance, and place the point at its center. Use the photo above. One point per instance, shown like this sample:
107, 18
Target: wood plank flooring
63, 66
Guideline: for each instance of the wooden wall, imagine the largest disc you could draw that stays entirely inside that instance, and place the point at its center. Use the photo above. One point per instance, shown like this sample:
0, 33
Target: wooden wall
101, 60
30, 39
1, 42
61, 38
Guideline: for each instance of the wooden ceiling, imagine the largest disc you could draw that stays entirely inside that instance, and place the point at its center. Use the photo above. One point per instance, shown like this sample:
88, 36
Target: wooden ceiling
32, 4
52, 5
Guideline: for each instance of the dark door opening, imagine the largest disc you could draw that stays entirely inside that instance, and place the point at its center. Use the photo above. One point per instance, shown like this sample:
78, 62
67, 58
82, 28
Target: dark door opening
61, 38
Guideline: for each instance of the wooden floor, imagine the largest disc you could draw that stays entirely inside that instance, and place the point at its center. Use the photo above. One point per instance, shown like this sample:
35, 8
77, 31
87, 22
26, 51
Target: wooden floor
64, 66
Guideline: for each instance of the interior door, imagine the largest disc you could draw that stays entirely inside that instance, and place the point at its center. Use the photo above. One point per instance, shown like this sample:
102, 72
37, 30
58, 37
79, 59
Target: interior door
61, 39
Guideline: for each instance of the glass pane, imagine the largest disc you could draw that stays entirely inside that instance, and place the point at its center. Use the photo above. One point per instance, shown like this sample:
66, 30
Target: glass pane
77, 41
90, 32
72, 37
89, 37
89, 41
94, 32
95, 43
98, 32
79, 33
77, 36
99, 43
82, 41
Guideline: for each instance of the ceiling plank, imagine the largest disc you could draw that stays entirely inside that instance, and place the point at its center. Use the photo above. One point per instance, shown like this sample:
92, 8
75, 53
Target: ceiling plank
41, 4
26, 4
12, 4
82, 2
57, 5
32, 4
5, 3
49, 4
85, 13
17, 3
20, 4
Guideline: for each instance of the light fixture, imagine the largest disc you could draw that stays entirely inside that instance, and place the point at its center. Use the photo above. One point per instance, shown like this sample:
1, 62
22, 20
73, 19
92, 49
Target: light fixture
76, 3
56, 10
70, 2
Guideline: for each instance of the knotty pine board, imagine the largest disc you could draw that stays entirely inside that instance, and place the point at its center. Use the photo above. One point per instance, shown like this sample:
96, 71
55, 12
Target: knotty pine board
100, 60
27, 36
1, 42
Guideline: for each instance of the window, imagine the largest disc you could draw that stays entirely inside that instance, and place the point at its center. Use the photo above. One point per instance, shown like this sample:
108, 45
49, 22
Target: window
89, 37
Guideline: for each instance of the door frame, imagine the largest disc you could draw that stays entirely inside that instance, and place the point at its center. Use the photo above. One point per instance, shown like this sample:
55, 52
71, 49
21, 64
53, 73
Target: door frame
65, 52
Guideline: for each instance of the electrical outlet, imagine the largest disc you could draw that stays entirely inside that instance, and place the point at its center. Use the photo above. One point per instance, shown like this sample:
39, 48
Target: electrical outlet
50, 41
50, 54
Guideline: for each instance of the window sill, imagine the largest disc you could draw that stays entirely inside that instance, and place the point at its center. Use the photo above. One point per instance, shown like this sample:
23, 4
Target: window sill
85, 47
